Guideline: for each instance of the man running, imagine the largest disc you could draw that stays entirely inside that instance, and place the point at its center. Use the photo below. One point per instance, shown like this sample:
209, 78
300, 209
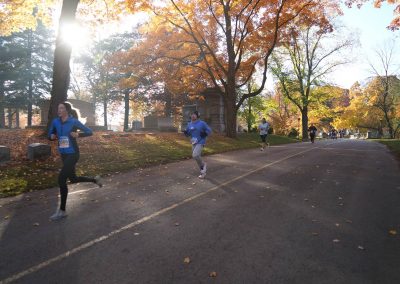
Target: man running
198, 130
64, 128
313, 131
263, 128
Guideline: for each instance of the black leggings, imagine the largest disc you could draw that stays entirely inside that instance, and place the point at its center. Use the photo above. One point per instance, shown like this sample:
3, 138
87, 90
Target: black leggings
68, 172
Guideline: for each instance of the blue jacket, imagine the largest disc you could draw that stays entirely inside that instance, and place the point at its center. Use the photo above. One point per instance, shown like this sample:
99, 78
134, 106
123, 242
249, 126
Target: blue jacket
194, 129
66, 143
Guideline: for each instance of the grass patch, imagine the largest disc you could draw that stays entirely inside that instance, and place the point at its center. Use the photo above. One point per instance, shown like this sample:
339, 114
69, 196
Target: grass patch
109, 155
393, 145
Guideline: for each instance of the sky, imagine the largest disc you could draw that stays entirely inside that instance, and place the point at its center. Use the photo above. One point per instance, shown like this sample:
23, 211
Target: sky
370, 24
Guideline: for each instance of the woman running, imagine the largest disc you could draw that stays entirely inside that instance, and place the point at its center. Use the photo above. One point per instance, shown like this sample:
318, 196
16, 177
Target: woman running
198, 130
64, 128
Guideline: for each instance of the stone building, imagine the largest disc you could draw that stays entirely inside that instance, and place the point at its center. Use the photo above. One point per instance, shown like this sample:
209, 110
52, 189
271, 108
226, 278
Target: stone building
210, 105
86, 111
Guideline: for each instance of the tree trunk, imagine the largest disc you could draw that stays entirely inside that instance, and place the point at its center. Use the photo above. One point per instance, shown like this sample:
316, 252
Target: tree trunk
10, 115
30, 82
168, 104
249, 115
2, 98
390, 125
230, 116
304, 122
17, 118
62, 55
126, 117
105, 105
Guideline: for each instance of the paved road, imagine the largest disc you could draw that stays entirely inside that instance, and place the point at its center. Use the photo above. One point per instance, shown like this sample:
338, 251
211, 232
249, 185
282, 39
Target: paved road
297, 213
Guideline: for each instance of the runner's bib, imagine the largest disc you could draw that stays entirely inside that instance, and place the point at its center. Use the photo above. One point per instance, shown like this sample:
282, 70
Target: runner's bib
63, 142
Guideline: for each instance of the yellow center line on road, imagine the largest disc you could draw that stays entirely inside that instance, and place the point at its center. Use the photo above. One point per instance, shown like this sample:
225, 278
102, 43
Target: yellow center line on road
105, 237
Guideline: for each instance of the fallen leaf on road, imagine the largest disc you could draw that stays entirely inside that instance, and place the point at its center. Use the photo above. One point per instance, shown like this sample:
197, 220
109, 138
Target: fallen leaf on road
340, 204
336, 240
340, 198
136, 234
186, 260
177, 224
315, 234
361, 248
312, 206
305, 199
213, 274
393, 232
261, 196
6, 217
314, 220
214, 199
337, 224
193, 183
349, 221
35, 224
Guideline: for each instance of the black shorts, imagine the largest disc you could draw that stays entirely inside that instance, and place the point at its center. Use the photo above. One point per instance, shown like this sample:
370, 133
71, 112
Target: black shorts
263, 138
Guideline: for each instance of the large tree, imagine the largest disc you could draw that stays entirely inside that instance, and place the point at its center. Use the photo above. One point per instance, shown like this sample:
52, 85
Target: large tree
18, 15
304, 61
223, 44
386, 88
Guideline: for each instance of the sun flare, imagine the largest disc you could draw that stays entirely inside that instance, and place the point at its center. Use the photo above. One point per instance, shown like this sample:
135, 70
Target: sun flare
76, 35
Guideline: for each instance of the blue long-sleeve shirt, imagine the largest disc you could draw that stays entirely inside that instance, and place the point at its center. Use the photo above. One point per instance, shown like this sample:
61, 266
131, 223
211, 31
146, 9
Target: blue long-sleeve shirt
194, 129
66, 143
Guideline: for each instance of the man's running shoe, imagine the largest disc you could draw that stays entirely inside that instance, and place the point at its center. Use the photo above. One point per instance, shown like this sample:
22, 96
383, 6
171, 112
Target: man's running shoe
58, 215
98, 181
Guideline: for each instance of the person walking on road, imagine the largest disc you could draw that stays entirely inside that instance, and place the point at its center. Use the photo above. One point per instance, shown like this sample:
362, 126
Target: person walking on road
263, 129
313, 131
198, 131
64, 129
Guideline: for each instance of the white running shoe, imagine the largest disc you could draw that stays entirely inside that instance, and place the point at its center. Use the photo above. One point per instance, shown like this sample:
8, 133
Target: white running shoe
204, 170
202, 175
261, 149
58, 215
98, 181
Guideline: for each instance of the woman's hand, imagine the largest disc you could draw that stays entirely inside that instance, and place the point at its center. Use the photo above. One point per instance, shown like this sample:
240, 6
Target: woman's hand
53, 137
75, 134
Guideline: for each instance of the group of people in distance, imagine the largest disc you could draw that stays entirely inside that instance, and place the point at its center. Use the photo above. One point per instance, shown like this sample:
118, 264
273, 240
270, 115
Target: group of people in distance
65, 128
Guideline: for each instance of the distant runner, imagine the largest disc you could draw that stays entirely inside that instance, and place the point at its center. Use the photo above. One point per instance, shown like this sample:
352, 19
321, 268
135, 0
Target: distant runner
64, 128
313, 131
198, 130
263, 128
